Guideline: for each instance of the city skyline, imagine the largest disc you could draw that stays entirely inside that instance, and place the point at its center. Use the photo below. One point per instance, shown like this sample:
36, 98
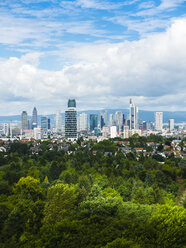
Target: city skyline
86, 125
99, 52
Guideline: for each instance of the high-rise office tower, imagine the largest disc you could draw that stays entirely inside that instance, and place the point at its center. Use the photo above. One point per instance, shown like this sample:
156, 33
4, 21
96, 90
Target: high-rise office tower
34, 118
71, 120
24, 121
93, 121
29, 124
111, 120
103, 118
158, 121
78, 123
44, 123
83, 122
6, 129
58, 121
171, 124
133, 115
11, 133
49, 124
119, 118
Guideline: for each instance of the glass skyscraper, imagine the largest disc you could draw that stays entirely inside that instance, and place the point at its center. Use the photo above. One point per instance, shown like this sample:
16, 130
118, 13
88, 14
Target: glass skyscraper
44, 123
83, 122
133, 115
93, 121
71, 103
34, 118
24, 121
119, 118
158, 121
103, 118
71, 120
58, 121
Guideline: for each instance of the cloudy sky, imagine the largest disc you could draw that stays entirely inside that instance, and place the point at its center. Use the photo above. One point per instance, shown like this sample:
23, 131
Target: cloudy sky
101, 52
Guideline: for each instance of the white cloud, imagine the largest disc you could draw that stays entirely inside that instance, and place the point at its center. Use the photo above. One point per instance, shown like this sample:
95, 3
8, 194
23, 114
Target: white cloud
25, 32
148, 18
146, 5
166, 4
92, 4
153, 70
142, 26
163, 8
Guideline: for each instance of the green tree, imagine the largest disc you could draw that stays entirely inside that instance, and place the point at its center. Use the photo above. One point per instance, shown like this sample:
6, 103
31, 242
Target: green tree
5, 188
183, 168
100, 206
61, 200
122, 243
15, 223
5, 210
54, 170
18, 147
28, 188
34, 172
84, 187
69, 176
166, 227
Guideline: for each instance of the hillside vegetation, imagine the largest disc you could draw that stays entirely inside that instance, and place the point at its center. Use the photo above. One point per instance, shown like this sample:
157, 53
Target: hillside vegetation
91, 195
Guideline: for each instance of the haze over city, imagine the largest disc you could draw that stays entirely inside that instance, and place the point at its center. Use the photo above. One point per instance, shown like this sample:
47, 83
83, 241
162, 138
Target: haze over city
99, 52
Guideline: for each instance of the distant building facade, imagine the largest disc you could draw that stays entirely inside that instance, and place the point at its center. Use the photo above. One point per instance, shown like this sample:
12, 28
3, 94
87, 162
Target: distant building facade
171, 125
158, 121
58, 121
126, 132
6, 129
71, 120
38, 133
24, 121
34, 118
103, 118
119, 118
133, 115
44, 123
83, 122
113, 132
93, 122
111, 120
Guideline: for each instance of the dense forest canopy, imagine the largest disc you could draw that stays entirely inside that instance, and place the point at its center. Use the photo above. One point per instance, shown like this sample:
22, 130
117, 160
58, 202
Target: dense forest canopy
88, 194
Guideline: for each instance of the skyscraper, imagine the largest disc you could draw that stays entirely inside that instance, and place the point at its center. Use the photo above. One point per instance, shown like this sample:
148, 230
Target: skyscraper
171, 124
158, 121
24, 121
6, 129
58, 121
83, 121
133, 115
34, 118
71, 120
93, 121
71, 103
49, 124
44, 123
103, 118
29, 124
119, 120
111, 120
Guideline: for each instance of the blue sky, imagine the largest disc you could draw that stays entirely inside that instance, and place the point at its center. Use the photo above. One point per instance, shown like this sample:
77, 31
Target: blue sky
100, 52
